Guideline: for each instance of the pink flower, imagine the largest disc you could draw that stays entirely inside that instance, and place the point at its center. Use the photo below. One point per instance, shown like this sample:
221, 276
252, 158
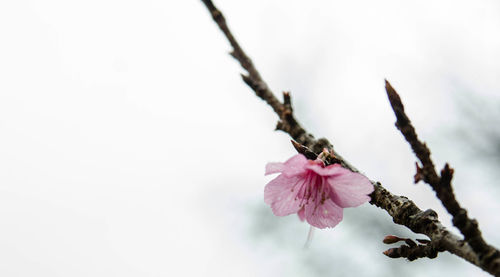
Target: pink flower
317, 193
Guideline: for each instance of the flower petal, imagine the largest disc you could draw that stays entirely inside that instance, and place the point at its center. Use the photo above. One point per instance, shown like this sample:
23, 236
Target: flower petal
302, 214
330, 170
350, 189
274, 168
279, 195
295, 165
325, 215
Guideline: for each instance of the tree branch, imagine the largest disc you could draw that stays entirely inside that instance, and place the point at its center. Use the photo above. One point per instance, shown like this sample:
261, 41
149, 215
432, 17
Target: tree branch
411, 250
253, 79
489, 257
401, 209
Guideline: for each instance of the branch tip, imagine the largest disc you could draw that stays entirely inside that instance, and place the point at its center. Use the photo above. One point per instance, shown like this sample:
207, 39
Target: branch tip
419, 175
442, 187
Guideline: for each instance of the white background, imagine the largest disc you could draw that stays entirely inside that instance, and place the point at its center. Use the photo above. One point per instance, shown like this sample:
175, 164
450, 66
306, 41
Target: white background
129, 146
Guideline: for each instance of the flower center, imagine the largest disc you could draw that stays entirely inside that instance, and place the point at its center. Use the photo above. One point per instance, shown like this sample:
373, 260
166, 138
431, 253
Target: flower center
312, 189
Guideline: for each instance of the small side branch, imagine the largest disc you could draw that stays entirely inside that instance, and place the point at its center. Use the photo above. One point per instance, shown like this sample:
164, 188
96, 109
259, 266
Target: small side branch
412, 252
489, 257
411, 249
404, 212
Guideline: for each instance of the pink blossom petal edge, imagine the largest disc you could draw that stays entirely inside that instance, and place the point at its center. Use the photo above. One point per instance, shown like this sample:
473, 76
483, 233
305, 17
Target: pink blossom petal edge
272, 168
293, 166
350, 189
330, 170
279, 195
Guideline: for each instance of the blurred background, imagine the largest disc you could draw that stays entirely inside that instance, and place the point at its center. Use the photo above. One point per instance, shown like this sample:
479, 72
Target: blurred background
129, 146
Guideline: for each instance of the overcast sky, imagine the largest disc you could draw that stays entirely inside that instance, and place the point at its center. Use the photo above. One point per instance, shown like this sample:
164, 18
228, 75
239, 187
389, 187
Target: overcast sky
129, 146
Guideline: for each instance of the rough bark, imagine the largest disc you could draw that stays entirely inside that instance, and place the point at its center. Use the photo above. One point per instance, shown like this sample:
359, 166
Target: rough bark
488, 256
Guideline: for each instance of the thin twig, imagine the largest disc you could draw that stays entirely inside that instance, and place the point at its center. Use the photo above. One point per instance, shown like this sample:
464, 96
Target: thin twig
489, 257
412, 252
401, 209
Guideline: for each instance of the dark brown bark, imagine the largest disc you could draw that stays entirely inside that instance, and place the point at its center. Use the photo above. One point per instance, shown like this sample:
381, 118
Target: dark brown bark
489, 257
